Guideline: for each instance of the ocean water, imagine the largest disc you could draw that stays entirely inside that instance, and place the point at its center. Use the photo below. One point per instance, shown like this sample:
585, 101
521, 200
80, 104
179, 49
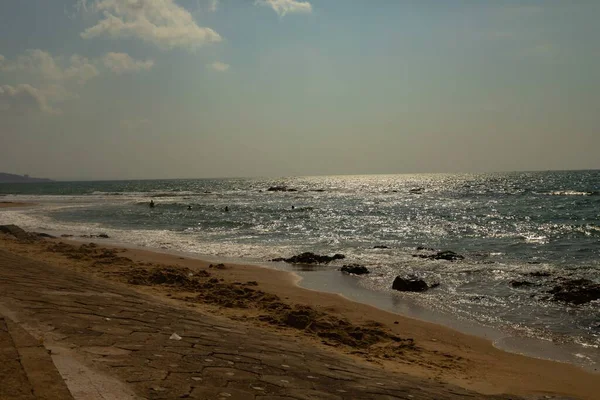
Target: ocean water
506, 225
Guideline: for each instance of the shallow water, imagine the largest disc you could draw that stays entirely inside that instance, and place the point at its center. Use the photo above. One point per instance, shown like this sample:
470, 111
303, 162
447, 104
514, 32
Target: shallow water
506, 226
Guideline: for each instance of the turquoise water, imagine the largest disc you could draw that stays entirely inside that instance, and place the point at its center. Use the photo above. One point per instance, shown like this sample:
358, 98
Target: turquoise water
506, 225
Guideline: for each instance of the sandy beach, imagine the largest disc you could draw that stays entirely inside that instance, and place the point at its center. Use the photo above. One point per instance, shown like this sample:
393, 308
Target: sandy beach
272, 301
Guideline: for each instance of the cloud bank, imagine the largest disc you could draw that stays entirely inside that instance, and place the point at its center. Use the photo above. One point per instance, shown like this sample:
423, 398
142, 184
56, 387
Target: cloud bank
44, 66
52, 80
160, 22
22, 99
120, 63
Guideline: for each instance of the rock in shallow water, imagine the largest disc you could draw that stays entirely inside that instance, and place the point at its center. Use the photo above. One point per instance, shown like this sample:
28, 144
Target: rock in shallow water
441, 255
280, 189
355, 269
410, 284
310, 258
576, 291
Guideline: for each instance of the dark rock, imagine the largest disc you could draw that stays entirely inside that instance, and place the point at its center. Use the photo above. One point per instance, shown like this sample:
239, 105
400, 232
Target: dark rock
15, 231
281, 188
380, 247
448, 255
517, 284
576, 291
102, 235
539, 274
441, 255
421, 248
355, 269
310, 258
409, 284
44, 235
277, 189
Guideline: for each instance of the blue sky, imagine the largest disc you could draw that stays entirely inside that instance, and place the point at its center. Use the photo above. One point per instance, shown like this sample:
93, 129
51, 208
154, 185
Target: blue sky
119, 89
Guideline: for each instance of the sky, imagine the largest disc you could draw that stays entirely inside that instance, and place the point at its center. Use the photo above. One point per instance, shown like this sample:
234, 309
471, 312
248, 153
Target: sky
141, 89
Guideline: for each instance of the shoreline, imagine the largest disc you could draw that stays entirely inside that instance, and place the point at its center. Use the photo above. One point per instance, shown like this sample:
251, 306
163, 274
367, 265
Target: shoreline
512, 342
311, 280
561, 335
443, 353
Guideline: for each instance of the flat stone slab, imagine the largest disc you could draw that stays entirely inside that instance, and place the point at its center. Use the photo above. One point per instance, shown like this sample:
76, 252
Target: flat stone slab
26, 368
120, 333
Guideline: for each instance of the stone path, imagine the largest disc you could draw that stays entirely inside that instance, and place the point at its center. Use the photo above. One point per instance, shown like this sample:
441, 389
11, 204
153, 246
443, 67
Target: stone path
26, 369
110, 342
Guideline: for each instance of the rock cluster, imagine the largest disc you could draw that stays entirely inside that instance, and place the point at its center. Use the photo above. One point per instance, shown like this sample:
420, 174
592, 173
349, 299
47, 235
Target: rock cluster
411, 284
355, 269
576, 291
441, 255
310, 258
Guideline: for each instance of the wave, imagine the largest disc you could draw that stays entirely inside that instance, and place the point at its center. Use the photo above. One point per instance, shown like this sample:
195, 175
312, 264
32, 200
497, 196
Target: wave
175, 193
573, 193
100, 193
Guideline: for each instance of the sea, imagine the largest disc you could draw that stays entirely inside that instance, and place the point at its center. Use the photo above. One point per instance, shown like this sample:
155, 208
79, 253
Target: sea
533, 227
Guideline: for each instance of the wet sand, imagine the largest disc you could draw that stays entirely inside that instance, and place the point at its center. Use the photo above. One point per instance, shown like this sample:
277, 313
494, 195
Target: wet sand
272, 300
11, 204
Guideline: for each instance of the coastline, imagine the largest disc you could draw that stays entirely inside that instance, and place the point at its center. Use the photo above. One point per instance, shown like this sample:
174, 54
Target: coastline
440, 353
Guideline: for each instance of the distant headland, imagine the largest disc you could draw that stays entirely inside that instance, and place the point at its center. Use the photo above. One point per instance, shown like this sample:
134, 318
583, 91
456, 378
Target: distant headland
13, 178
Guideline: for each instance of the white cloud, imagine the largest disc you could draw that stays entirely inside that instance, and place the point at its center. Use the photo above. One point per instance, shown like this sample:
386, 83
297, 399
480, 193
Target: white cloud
43, 65
23, 98
219, 66
283, 7
120, 63
52, 80
161, 22
80, 69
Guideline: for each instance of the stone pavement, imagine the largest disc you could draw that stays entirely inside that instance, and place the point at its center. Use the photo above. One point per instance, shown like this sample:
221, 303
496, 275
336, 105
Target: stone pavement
110, 342
26, 369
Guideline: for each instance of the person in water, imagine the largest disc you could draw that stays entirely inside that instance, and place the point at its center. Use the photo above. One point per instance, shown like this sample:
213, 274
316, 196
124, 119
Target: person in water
226, 209
189, 207
151, 203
